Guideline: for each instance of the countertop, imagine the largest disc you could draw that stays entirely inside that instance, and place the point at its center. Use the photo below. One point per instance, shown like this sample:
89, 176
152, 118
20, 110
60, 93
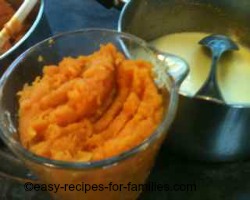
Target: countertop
230, 181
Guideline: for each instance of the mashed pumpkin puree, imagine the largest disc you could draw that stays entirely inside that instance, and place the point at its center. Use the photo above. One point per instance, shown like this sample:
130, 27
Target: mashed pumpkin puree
90, 107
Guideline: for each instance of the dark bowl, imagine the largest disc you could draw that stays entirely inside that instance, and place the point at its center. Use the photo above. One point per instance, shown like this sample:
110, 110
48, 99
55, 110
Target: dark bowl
37, 31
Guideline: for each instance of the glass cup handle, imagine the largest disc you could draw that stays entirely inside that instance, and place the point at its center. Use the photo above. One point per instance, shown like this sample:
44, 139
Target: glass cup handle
13, 168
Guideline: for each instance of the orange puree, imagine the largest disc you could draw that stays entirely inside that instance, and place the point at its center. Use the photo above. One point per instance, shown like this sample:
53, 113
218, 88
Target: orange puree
89, 108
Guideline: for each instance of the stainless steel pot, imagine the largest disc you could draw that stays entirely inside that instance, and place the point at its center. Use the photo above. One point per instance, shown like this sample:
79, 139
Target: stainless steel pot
39, 29
203, 129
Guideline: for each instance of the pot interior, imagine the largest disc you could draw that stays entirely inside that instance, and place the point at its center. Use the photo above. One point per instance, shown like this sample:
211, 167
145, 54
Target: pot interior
152, 19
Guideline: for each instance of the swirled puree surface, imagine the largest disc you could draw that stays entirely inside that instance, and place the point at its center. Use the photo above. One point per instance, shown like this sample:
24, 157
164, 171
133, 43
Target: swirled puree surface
233, 70
90, 107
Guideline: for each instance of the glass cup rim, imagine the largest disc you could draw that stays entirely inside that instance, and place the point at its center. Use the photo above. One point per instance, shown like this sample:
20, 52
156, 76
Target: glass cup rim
18, 149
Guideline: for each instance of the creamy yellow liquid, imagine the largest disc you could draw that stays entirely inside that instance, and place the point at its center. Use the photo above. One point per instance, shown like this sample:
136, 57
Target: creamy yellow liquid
233, 71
